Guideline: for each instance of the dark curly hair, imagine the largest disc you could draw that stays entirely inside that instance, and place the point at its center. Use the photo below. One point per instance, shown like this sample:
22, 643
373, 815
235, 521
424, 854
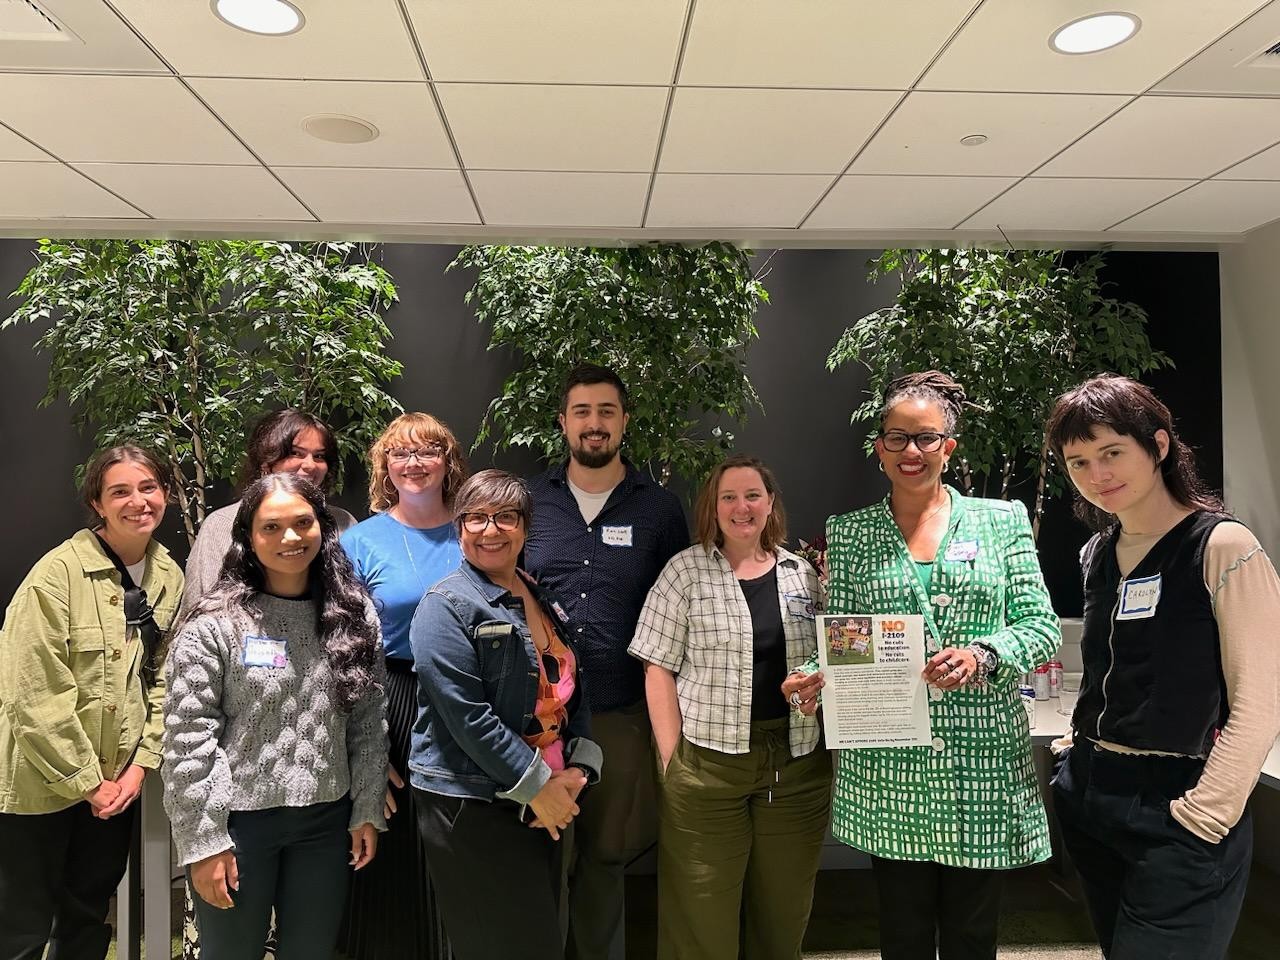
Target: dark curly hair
350, 639
271, 441
933, 386
1130, 408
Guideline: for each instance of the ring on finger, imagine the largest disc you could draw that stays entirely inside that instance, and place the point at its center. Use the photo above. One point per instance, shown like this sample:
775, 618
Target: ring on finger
794, 699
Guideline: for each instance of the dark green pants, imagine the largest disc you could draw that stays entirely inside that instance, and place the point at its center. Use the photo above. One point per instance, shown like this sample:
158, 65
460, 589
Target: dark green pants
739, 839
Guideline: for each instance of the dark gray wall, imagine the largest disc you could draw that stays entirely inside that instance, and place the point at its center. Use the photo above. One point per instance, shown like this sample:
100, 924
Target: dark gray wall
803, 432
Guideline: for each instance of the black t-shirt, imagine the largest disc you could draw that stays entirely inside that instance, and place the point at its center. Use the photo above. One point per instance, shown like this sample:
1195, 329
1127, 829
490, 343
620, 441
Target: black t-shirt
769, 646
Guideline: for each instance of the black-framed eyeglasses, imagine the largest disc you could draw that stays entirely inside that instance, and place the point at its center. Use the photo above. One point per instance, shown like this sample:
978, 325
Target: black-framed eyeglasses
895, 441
478, 522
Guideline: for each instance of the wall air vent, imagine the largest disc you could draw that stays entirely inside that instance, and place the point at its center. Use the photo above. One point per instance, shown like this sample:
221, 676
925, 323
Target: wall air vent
25, 20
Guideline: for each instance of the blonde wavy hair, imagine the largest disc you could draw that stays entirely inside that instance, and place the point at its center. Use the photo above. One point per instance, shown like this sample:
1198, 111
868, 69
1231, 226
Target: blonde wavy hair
413, 429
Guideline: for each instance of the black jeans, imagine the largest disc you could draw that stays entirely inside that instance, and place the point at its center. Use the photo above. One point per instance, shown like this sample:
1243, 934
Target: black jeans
294, 859
1154, 889
930, 910
497, 880
57, 874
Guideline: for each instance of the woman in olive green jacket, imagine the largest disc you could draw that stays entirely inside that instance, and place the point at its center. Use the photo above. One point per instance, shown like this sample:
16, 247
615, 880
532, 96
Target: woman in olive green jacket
81, 693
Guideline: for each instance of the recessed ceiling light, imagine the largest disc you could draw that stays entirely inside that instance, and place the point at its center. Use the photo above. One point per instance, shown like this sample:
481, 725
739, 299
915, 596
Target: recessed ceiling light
272, 18
1099, 31
973, 140
339, 129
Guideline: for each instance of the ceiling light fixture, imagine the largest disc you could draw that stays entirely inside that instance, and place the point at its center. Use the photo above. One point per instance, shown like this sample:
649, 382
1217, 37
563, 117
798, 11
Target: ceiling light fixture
1098, 31
973, 140
272, 18
336, 128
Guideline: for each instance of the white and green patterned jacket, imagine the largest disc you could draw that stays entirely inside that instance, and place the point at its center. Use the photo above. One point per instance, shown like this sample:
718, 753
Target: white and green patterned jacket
970, 800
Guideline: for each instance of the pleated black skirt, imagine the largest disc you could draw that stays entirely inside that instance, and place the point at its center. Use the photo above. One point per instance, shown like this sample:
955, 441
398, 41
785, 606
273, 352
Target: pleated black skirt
391, 913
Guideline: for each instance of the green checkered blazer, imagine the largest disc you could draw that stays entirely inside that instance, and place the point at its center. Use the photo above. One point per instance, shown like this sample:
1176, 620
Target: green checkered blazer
971, 799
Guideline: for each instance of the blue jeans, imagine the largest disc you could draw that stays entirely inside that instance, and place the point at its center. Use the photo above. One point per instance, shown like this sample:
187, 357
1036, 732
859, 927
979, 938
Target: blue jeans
295, 860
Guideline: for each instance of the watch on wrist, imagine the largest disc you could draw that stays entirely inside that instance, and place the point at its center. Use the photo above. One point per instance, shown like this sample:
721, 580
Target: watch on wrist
987, 663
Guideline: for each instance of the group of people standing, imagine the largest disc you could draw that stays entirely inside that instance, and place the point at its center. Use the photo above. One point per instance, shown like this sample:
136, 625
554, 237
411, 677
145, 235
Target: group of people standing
477, 698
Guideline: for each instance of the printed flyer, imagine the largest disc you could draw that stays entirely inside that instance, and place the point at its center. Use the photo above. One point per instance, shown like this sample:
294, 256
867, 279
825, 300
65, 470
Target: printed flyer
874, 695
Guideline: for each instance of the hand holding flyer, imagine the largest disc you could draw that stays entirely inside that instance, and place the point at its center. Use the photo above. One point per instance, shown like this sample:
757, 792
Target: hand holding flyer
874, 695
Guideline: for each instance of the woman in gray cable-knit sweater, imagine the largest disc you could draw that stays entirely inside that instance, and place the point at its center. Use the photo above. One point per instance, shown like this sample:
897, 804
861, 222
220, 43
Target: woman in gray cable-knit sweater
275, 744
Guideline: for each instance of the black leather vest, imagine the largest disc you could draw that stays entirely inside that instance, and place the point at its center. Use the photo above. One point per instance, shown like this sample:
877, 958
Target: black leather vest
1152, 677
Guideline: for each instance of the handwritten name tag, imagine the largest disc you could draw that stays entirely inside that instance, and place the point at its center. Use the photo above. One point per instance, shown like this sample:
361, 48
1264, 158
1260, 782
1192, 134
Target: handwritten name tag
1139, 598
798, 605
616, 536
265, 652
962, 550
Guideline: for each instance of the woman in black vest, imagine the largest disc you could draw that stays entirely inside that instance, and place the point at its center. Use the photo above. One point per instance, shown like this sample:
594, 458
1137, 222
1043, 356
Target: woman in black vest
1179, 703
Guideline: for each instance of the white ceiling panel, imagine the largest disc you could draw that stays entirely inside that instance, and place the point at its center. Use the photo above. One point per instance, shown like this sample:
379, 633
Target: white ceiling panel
1262, 166
1053, 203
872, 203
550, 41
533, 198
1006, 46
540, 127
349, 195
268, 115
13, 147
30, 190
94, 40
340, 40
769, 131
1023, 130
1216, 206
1228, 66
189, 192
742, 200
1189, 137
116, 119
817, 43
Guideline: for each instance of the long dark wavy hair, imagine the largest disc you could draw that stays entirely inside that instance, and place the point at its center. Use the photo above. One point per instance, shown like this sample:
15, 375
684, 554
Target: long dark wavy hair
350, 640
1130, 408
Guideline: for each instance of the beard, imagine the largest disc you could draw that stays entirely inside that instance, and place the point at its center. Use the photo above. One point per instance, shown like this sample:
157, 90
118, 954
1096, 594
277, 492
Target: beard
593, 459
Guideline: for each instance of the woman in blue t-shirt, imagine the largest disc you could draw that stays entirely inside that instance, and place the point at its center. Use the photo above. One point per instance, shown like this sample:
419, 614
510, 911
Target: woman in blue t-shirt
407, 545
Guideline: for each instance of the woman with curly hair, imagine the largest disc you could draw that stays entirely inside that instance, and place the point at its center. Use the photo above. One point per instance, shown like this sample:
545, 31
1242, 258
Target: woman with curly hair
410, 542
275, 741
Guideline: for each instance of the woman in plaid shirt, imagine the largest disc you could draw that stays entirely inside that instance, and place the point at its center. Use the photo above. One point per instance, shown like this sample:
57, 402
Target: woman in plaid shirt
745, 788
942, 822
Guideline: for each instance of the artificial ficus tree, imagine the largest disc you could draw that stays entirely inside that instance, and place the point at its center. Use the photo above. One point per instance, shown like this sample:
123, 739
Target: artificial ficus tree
673, 321
1016, 328
178, 344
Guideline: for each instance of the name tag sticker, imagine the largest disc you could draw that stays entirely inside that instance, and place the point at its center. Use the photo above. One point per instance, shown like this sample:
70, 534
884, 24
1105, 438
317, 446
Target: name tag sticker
798, 605
1139, 598
616, 536
495, 629
265, 652
963, 550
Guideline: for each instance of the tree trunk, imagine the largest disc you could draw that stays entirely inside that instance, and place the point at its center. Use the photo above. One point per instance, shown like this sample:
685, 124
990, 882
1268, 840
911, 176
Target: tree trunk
1041, 480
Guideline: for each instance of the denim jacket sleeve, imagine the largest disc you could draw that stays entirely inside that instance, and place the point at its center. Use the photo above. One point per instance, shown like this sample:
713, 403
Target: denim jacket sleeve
448, 670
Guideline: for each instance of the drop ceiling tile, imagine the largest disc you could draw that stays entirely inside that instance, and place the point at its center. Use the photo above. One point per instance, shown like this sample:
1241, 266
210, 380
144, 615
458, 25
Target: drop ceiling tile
1023, 130
1189, 137
540, 127
268, 115
1005, 46
372, 195
1215, 206
1262, 166
340, 40
907, 203
569, 41
116, 119
769, 131
30, 191
529, 198
13, 147
817, 43
92, 40
732, 200
1228, 66
173, 192
1059, 203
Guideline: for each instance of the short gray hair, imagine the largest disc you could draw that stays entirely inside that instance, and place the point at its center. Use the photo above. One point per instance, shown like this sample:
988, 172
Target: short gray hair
495, 489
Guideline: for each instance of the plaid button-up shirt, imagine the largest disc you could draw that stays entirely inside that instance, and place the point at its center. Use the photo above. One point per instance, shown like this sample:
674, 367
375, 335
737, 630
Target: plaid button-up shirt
696, 623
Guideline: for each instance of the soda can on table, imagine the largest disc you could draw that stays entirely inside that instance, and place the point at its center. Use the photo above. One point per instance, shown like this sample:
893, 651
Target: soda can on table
1040, 680
1055, 678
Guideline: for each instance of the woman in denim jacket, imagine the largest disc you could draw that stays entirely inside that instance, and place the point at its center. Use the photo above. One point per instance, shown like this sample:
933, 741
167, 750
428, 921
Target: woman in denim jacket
501, 747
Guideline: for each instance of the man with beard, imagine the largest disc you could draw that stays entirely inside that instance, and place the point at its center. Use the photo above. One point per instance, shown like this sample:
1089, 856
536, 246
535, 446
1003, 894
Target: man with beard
601, 533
